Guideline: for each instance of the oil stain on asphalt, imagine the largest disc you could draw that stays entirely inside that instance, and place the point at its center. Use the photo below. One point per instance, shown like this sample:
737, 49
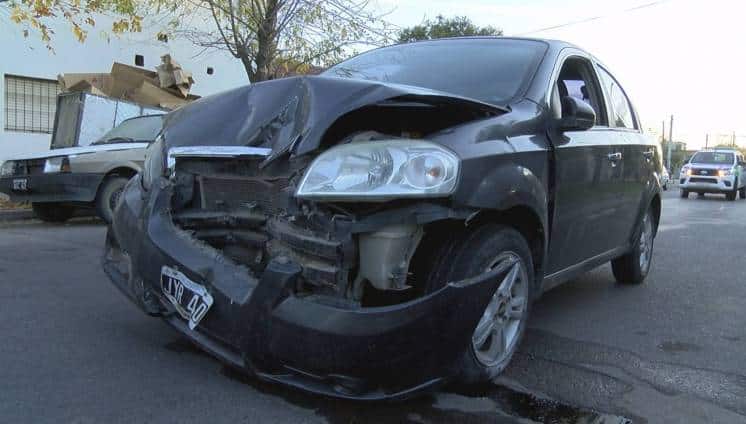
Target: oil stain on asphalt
483, 404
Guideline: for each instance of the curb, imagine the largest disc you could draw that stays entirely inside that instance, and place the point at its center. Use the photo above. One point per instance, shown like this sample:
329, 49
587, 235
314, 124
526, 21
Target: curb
16, 214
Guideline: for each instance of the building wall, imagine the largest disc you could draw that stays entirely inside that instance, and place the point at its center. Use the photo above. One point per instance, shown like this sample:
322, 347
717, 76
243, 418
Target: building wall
30, 58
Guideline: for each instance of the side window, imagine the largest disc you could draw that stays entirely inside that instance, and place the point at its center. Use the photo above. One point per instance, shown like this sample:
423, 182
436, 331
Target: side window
621, 113
577, 79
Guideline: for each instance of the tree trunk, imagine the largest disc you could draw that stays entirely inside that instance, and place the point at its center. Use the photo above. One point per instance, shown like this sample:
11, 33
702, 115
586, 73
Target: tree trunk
266, 39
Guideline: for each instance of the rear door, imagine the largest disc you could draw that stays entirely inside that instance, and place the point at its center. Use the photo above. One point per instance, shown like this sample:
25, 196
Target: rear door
640, 165
587, 166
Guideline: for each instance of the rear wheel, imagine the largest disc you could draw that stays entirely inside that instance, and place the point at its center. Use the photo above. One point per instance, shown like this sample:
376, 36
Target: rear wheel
633, 267
684, 194
53, 212
498, 333
108, 197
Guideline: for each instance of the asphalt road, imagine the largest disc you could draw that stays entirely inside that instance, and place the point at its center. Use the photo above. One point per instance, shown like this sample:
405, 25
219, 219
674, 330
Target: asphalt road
73, 350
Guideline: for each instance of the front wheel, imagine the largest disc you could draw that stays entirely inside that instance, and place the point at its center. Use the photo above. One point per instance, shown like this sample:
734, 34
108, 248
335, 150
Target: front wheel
633, 267
684, 194
731, 195
742, 192
498, 333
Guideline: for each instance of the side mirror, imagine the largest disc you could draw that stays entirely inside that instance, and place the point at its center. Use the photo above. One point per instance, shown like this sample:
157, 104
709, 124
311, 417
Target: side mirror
577, 115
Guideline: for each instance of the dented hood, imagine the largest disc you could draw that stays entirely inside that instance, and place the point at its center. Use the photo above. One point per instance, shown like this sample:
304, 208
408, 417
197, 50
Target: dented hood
290, 113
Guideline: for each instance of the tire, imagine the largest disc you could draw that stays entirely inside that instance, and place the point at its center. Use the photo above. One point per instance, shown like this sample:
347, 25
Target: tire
53, 212
684, 194
470, 255
633, 267
742, 192
108, 196
731, 195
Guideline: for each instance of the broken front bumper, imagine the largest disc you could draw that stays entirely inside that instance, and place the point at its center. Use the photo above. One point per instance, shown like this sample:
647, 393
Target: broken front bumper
58, 187
260, 326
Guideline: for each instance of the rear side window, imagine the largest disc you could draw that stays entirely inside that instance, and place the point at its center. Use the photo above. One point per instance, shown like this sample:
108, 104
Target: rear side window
621, 110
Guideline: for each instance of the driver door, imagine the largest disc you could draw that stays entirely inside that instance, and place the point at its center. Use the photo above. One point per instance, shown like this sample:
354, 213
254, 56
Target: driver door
587, 165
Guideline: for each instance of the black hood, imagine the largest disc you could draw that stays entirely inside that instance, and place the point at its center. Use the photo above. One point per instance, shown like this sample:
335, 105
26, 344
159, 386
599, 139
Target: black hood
290, 113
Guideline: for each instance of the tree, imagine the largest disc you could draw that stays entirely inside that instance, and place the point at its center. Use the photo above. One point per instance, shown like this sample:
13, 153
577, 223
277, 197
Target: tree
270, 37
35, 15
442, 27
274, 37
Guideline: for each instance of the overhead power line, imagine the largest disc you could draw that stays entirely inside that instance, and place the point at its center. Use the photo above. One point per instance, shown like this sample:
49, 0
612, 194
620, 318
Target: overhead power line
593, 18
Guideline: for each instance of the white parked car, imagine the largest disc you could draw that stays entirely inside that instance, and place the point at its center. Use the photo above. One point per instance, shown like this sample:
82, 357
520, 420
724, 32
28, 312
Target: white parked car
59, 181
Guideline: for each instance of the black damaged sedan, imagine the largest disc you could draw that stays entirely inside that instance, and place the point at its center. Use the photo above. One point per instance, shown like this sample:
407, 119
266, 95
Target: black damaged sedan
384, 227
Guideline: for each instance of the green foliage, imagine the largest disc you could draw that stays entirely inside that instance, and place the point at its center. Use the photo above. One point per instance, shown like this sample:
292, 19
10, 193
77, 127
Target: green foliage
442, 27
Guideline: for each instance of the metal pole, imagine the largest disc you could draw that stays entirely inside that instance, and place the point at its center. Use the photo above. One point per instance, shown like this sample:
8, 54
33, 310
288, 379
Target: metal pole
707, 140
670, 144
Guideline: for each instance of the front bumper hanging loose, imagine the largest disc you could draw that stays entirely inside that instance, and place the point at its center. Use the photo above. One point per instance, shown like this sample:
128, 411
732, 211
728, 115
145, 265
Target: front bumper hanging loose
260, 326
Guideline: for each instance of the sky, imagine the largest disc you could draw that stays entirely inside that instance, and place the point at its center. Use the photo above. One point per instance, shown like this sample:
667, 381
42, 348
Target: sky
678, 57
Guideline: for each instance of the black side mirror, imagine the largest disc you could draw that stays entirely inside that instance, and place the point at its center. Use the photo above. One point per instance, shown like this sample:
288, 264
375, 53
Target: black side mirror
577, 115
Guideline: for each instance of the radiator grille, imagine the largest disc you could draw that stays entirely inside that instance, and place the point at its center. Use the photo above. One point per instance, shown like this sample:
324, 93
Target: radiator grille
705, 172
232, 193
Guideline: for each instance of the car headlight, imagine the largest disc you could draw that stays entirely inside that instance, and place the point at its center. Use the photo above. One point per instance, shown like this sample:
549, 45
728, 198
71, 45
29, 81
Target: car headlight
8, 168
685, 170
154, 165
381, 170
57, 164
725, 172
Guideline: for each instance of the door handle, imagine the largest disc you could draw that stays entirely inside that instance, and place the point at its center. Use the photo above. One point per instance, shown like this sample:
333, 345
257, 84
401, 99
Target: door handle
615, 157
650, 154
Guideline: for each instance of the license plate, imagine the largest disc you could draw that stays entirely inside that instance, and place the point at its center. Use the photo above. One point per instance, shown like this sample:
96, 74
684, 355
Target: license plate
191, 300
20, 184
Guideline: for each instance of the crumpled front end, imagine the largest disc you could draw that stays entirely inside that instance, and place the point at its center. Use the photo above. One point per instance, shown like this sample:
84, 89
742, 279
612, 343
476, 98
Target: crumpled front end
323, 295
279, 310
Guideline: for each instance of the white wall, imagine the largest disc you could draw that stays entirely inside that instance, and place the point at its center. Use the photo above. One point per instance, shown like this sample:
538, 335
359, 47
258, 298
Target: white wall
29, 57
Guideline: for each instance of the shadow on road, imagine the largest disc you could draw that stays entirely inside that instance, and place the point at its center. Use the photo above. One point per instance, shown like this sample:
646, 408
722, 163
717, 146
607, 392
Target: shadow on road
478, 404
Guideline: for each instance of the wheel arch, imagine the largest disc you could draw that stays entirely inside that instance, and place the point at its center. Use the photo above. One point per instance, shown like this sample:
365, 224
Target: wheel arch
655, 204
528, 222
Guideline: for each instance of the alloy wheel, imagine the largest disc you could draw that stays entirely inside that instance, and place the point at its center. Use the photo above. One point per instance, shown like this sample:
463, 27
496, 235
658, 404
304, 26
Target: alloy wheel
497, 332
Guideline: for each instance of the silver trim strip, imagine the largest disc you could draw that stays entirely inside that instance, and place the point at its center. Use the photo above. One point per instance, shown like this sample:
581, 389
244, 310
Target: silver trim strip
213, 152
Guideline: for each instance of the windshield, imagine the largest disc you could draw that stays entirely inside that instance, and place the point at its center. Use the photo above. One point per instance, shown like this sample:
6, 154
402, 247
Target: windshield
717, 158
492, 70
141, 129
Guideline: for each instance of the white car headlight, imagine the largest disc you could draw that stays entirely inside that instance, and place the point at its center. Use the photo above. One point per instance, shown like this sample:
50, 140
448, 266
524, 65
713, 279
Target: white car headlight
381, 170
8, 168
58, 164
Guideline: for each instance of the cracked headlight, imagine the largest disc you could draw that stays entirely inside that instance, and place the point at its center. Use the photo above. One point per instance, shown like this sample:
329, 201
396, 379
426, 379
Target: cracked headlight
381, 170
55, 165
8, 168
154, 165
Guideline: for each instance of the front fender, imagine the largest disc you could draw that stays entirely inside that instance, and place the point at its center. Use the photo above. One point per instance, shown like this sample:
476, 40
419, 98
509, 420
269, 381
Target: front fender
506, 186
